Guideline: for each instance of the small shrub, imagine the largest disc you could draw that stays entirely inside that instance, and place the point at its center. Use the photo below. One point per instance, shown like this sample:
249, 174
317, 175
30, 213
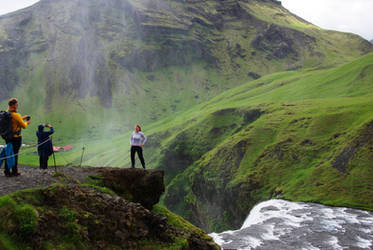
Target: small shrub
27, 218
67, 214
73, 229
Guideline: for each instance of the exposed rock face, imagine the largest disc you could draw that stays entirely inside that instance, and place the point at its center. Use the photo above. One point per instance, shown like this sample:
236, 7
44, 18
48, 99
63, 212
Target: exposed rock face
365, 139
142, 186
280, 42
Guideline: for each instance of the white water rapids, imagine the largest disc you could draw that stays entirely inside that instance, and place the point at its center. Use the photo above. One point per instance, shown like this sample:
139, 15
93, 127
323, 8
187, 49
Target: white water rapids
280, 224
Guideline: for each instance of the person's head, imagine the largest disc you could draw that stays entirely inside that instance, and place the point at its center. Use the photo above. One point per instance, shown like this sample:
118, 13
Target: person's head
138, 128
13, 103
41, 127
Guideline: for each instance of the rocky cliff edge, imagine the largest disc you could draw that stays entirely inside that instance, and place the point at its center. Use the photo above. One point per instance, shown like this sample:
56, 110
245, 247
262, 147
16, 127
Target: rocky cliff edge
109, 209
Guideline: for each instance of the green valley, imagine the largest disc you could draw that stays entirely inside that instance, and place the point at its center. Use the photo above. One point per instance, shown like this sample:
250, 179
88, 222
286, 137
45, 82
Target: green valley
242, 101
300, 135
99, 67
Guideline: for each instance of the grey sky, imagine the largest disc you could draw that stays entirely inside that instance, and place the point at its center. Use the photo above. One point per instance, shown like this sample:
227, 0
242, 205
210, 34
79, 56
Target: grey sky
345, 15
7, 6
354, 16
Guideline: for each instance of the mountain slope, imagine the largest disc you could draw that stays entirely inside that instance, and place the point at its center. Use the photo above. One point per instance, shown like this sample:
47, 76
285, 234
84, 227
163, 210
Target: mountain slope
77, 63
304, 136
94, 68
299, 135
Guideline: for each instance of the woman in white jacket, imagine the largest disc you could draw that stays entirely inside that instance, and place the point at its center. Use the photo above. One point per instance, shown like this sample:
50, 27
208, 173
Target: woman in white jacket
137, 140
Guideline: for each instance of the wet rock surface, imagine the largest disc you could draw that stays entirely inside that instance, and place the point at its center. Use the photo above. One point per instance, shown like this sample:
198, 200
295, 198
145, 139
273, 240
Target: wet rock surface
279, 224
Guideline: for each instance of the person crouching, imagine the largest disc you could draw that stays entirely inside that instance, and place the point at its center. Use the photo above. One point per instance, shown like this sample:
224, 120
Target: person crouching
45, 148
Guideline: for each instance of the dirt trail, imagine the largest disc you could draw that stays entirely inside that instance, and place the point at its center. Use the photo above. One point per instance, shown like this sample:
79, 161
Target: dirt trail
34, 177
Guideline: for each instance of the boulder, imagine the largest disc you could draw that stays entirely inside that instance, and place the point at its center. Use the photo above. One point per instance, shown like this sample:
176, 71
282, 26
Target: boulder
137, 185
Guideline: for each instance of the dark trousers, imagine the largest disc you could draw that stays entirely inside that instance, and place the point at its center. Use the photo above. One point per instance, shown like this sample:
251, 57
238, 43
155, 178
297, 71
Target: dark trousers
137, 149
16, 142
43, 160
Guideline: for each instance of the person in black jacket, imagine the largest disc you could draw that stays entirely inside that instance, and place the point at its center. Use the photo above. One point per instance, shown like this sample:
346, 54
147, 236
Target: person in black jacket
45, 148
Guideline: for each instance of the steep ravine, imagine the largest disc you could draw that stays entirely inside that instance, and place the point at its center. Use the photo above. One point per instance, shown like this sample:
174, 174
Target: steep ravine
215, 194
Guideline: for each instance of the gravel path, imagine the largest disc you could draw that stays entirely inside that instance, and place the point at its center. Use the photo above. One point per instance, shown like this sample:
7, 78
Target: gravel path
34, 177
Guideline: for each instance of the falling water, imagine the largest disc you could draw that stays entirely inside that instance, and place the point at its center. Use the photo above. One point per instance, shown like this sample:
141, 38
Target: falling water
280, 224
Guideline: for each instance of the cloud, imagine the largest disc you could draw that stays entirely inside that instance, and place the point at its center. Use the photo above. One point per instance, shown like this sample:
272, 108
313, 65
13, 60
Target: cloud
343, 15
10, 6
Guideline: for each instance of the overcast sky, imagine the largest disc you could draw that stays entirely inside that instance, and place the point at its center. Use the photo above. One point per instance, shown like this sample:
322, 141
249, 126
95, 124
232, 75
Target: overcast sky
354, 16
7, 6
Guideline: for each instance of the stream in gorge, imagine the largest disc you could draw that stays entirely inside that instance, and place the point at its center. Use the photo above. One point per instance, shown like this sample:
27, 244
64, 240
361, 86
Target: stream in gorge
280, 224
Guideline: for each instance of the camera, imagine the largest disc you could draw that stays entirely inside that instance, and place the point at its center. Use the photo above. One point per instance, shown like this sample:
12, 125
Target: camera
28, 118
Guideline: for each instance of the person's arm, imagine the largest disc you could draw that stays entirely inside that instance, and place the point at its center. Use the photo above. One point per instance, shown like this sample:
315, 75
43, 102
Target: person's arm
51, 131
131, 140
17, 117
144, 139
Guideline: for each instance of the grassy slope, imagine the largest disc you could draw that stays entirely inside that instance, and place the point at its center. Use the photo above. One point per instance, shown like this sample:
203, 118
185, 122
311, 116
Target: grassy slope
144, 97
282, 87
310, 120
309, 107
294, 86
278, 136
314, 92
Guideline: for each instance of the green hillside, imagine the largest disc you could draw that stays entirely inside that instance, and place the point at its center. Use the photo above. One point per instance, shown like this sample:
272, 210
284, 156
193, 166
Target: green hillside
304, 136
241, 101
297, 135
300, 135
92, 67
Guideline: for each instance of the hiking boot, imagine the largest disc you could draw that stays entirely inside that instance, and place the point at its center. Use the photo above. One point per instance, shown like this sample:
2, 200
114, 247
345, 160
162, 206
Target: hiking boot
8, 175
16, 174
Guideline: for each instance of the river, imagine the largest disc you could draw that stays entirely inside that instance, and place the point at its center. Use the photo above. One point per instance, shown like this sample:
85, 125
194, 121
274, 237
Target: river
280, 224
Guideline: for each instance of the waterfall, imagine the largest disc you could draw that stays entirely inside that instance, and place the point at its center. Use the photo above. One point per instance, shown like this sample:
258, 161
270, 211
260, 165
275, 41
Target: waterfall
280, 224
